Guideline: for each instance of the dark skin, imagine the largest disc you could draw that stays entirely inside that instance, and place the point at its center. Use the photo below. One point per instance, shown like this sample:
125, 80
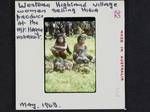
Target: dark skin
77, 46
60, 47
80, 45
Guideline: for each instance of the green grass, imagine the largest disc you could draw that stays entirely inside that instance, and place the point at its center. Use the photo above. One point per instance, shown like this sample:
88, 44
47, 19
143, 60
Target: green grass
70, 81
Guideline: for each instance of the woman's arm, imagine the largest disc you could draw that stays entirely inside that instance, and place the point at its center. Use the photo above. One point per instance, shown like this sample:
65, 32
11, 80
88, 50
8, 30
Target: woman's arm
68, 50
75, 49
60, 47
85, 49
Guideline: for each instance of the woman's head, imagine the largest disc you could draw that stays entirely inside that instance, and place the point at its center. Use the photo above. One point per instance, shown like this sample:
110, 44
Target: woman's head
60, 39
81, 39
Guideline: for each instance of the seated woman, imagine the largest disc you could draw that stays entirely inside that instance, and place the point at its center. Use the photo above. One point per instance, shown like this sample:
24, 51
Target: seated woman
60, 47
80, 50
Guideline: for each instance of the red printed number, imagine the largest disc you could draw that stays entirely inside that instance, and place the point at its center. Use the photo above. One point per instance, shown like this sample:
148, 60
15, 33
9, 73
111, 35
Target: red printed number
117, 14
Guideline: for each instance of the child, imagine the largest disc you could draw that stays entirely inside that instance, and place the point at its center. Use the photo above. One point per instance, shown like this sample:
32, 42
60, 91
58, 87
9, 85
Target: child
60, 47
80, 50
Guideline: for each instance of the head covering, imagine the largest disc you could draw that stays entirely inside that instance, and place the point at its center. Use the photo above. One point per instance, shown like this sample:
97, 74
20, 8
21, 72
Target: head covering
81, 37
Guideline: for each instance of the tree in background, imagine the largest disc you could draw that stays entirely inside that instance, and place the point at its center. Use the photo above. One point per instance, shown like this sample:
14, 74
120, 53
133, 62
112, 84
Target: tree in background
69, 28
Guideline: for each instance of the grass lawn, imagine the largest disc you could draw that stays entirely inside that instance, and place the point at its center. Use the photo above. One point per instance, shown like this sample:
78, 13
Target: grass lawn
70, 81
